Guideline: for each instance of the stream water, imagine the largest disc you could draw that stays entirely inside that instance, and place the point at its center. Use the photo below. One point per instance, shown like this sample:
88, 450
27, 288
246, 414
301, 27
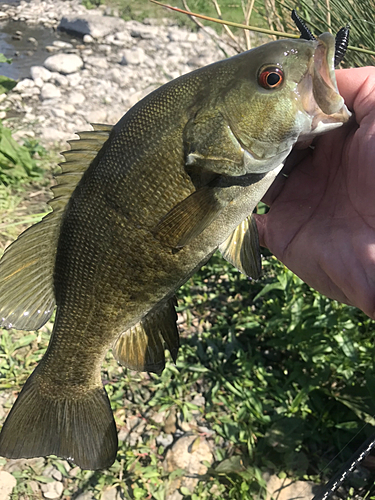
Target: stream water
26, 45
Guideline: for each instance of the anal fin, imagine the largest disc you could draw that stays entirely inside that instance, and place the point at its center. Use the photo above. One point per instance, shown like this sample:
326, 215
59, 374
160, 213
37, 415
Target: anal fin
242, 249
141, 347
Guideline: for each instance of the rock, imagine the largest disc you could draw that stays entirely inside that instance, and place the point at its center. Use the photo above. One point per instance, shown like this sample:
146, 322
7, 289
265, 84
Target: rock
164, 440
64, 63
74, 79
111, 494
7, 483
98, 62
133, 56
123, 36
69, 109
34, 486
76, 98
62, 45
170, 422
91, 23
37, 72
58, 112
176, 495
24, 84
52, 490
60, 80
39, 82
87, 39
51, 135
285, 489
18, 464
97, 116
145, 32
188, 453
49, 91
85, 496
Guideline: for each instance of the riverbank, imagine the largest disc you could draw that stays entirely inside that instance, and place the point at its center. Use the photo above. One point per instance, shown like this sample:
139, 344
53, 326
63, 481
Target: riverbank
98, 78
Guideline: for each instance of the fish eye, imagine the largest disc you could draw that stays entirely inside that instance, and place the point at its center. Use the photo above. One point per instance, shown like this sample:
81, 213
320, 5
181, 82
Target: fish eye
271, 77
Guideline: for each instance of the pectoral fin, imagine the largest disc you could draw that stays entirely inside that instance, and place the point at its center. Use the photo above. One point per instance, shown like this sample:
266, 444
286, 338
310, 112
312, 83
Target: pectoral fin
141, 348
242, 250
189, 218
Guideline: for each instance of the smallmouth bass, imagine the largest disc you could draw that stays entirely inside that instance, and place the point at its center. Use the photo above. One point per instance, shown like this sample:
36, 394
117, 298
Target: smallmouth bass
138, 208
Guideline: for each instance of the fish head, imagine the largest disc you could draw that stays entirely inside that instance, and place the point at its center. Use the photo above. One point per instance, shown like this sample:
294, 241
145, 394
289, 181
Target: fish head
284, 92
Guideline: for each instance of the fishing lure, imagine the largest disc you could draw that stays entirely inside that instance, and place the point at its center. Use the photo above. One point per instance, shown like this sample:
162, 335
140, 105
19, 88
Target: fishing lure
341, 40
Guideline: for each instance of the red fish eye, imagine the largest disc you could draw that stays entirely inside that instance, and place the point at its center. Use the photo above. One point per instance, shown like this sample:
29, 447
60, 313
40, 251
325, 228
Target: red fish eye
271, 78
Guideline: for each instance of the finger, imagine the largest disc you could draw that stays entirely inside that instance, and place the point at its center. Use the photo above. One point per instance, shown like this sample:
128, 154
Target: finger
357, 86
292, 161
261, 221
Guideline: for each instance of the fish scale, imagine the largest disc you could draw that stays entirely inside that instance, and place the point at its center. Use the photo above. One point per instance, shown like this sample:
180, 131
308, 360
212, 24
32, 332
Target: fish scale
138, 208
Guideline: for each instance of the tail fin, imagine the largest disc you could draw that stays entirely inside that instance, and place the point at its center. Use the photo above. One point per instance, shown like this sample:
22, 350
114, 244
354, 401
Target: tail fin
80, 428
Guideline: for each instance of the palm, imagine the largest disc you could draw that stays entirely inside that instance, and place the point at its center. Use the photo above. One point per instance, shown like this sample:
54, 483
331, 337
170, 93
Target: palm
322, 218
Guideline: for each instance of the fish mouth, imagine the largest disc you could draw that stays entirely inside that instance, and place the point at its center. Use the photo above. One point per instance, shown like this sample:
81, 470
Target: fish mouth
322, 100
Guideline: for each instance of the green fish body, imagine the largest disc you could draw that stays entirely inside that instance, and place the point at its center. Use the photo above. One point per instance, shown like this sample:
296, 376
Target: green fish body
137, 210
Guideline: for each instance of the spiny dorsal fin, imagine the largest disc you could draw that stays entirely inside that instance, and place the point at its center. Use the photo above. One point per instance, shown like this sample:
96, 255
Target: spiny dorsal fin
242, 250
141, 347
26, 269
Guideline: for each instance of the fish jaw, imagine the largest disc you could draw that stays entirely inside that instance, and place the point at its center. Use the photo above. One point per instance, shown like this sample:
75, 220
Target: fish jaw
320, 96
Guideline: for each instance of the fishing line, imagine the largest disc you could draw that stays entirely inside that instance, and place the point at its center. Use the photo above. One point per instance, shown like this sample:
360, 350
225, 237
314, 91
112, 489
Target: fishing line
347, 469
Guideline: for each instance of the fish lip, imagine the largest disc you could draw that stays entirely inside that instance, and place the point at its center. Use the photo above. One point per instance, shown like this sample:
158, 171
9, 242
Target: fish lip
322, 100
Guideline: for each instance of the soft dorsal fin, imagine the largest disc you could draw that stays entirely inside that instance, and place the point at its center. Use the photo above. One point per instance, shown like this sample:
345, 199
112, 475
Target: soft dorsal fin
241, 248
141, 347
26, 269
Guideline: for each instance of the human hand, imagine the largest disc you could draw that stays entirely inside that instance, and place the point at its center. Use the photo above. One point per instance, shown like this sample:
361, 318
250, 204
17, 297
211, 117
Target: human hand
321, 222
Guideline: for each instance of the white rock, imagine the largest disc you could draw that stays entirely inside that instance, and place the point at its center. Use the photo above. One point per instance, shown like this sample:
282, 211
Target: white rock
60, 80
92, 23
51, 134
68, 108
97, 116
164, 440
52, 490
111, 494
133, 56
74, 79
7, 483
87, 39
188, 453
286, 489
85, 496
123, 36
39, 82
98, 62
49, 91
40, 72
59, 113
76, 98
64, 63
62, 45
24, 84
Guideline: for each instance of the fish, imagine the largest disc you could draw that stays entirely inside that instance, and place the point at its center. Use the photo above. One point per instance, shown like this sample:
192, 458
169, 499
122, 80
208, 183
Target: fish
138, 208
